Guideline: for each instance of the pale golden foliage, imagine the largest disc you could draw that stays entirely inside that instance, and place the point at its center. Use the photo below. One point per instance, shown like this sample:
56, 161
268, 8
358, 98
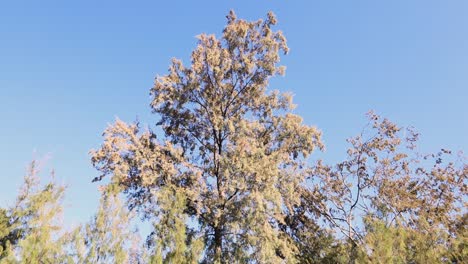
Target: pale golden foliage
233, 149
385, 178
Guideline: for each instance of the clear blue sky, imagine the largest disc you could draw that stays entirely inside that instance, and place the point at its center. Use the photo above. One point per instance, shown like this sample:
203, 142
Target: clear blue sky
68, 68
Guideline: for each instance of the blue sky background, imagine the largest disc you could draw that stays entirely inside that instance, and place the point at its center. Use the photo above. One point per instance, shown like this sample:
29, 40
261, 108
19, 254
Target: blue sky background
68, 68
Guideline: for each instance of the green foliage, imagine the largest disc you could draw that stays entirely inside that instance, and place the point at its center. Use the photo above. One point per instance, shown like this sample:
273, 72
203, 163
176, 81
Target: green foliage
35, 219
173, 242
9, 236
108, 237
399, 244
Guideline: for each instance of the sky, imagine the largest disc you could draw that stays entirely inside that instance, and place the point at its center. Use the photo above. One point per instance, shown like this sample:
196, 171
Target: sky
69, 68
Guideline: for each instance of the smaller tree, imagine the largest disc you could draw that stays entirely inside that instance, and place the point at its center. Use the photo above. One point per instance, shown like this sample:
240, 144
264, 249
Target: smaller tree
386, 186
108, 238
34, 225
172, 240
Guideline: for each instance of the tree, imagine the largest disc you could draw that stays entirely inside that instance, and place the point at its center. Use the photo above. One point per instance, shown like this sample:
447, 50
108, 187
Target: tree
170, 233
9, 233
34, 226
392, 203
232, 150
108, 238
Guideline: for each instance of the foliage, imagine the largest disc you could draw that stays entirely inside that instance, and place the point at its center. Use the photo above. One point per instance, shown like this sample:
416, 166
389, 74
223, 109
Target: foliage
233, 150
393, 191
229, 180
108, 237
34, 223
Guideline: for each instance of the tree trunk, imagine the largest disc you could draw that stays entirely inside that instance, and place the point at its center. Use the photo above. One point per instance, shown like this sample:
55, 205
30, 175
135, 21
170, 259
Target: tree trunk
218, 247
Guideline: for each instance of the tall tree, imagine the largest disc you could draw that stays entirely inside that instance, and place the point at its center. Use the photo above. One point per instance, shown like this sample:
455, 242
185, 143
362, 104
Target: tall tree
233, 151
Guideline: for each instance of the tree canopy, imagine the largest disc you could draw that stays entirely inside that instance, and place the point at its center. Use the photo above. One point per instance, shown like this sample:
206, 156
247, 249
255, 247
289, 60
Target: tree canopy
231, 149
